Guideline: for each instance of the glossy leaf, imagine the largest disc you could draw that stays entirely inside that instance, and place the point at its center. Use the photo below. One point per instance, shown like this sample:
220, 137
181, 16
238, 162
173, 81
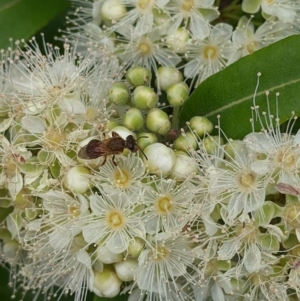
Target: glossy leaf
230, 92
21, 19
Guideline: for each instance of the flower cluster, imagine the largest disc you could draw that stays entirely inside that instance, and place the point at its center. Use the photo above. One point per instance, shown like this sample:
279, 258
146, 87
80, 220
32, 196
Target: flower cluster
100, 190
186, 34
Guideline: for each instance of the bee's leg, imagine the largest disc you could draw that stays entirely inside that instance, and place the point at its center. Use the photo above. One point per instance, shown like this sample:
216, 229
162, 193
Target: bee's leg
104, 161
113, 160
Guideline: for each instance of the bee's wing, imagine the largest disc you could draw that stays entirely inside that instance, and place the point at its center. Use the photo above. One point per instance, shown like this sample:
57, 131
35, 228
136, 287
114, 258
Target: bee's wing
94, 149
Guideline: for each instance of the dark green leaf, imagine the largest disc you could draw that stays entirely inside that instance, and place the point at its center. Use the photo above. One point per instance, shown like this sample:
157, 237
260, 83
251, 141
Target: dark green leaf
230, 92
20, 19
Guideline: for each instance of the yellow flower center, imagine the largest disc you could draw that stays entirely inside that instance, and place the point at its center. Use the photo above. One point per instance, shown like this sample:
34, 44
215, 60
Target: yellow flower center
291, 215
142, 4
210, 53
247, 179
53, 140
122, 178
144, 48
115, 220
286, 159
164, 205
251, 47
187, 5
161, 253
74, 211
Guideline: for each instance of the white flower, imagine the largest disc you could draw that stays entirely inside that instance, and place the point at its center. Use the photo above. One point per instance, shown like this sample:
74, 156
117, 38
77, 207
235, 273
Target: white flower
140, 15
208, 56
189, 12
164, 260
144, 50
113, 221
237, 185
249, 40
126, 175
168, 206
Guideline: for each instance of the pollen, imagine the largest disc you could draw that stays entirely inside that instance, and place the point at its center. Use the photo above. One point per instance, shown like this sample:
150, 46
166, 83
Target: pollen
115, 220
164, 205
285, 159
161, 253
74, 211
247, 179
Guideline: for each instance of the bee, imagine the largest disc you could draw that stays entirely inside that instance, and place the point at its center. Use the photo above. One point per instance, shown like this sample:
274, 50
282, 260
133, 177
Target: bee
111, 146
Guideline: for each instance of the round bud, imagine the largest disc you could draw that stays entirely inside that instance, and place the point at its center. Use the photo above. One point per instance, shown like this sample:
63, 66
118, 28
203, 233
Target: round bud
167, 77
212, 143
119, 94
234, 148
144, 97
145, 139
133, 119
201, 125
178, 39
135, 247
177, 94
160, 159
138, 76
158, 121
159, 16
106, 283
104, 255
184, 166
113, 10
126, 269
185, 142
77, 180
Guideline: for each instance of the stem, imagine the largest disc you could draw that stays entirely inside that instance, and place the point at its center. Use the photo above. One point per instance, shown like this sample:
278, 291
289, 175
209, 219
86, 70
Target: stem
175, 117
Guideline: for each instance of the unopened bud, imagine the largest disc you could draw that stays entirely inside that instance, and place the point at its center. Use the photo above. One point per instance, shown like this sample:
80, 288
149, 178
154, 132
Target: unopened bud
160, 159
145, 139
144, 97
76, 179
106, 283
113, 10
212, 144
168, 76
104, 255
178, 39
185, 142
201, 125
133, 119
177, 94
158, 121
126, 269
138, 76
135, 247
119, 94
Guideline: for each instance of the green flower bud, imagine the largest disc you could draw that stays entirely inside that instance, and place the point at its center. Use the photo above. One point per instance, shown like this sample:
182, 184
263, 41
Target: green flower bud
138, 76
158, 121
113, 10
76, 180
126, 269
178, 39
177, 94
145, 139
119, 94
160, 159
167, 77
144, 97
201, 125
106, 283
135, 247
133, 119
212, 143
184, 166
185, 142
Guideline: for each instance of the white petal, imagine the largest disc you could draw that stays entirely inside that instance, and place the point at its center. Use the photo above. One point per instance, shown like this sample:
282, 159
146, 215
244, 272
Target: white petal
252, 259
72, 106
84, 257
217, 293
15, 185
33, 124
